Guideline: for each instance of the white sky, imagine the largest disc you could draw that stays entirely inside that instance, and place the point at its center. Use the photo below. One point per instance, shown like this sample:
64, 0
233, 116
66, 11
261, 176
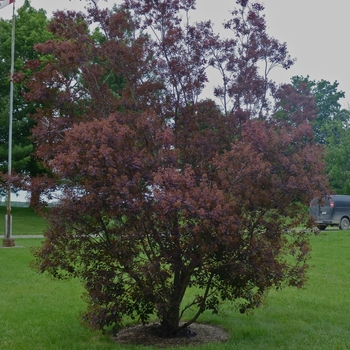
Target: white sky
316, 33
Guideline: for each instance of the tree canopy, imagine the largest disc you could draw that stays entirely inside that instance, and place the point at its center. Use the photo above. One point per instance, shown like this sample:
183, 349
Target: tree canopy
331, 128
163, 189
328, 108
30, 29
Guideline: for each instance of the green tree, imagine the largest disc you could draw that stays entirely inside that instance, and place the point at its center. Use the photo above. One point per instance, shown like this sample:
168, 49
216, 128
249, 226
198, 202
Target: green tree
331, 128
338, 158
328, 107
31, 28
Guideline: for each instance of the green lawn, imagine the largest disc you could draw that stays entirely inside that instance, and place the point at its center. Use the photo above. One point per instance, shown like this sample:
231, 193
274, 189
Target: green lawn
40, 313
24, 221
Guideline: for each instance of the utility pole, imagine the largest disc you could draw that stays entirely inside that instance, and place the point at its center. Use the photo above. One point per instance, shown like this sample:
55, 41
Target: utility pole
8, 240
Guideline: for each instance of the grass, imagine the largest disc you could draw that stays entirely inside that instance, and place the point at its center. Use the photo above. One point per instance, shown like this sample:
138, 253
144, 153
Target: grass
24, 221
40, 313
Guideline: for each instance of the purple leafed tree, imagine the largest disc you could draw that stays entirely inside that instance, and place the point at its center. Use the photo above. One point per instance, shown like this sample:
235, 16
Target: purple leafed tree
162, 189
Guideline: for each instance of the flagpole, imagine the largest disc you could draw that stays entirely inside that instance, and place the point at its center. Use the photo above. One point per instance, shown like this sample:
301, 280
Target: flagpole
8, 240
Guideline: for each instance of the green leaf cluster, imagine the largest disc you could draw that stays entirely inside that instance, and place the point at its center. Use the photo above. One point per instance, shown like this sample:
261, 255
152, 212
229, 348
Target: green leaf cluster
30, 29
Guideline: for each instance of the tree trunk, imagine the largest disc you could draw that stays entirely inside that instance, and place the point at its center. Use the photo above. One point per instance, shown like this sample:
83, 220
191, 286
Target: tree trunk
170, 313
170, 322
34, 198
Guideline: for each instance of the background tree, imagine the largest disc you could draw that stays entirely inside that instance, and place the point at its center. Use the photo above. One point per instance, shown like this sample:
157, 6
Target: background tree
30, 29
337, 158
331, 128
329, 110
162, 190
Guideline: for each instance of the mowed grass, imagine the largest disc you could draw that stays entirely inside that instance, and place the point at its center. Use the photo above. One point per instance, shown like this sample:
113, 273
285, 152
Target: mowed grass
24, 221
38, 312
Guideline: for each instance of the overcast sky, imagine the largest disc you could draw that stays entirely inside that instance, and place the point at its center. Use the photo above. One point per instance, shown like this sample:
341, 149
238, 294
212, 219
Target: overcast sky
316, 33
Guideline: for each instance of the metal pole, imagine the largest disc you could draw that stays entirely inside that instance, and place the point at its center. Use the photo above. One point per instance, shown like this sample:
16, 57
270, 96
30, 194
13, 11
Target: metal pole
8, 240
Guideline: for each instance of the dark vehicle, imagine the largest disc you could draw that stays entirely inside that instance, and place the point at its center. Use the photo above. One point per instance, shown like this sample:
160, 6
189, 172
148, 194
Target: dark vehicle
333, 210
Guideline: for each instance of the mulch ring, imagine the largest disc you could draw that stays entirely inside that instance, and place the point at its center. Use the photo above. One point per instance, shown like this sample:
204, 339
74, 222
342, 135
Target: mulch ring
196, 334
